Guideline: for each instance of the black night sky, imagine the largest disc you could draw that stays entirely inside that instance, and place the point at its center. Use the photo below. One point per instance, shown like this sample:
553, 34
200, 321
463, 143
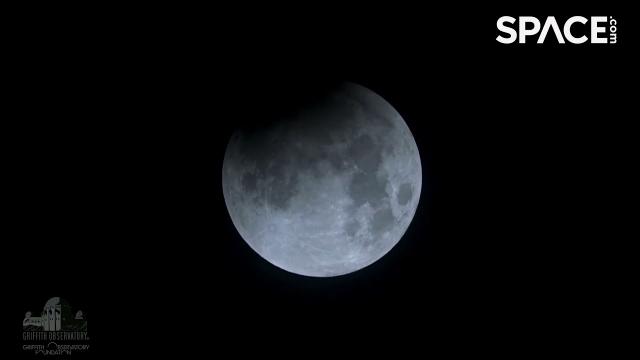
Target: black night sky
115, 154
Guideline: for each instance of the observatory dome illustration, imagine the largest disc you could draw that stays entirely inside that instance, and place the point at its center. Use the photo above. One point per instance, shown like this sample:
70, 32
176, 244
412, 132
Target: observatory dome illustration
57, 315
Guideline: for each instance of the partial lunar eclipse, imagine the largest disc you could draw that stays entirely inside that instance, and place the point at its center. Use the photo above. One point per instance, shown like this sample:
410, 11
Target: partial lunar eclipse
329, 190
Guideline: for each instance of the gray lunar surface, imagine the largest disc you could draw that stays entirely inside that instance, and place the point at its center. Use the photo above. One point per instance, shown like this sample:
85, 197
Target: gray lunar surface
329, 190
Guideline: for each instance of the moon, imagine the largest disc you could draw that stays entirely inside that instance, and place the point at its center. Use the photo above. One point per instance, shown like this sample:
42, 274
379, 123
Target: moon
327, 190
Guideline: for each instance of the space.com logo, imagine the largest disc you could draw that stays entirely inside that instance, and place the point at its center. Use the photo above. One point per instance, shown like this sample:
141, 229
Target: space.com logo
576, 30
